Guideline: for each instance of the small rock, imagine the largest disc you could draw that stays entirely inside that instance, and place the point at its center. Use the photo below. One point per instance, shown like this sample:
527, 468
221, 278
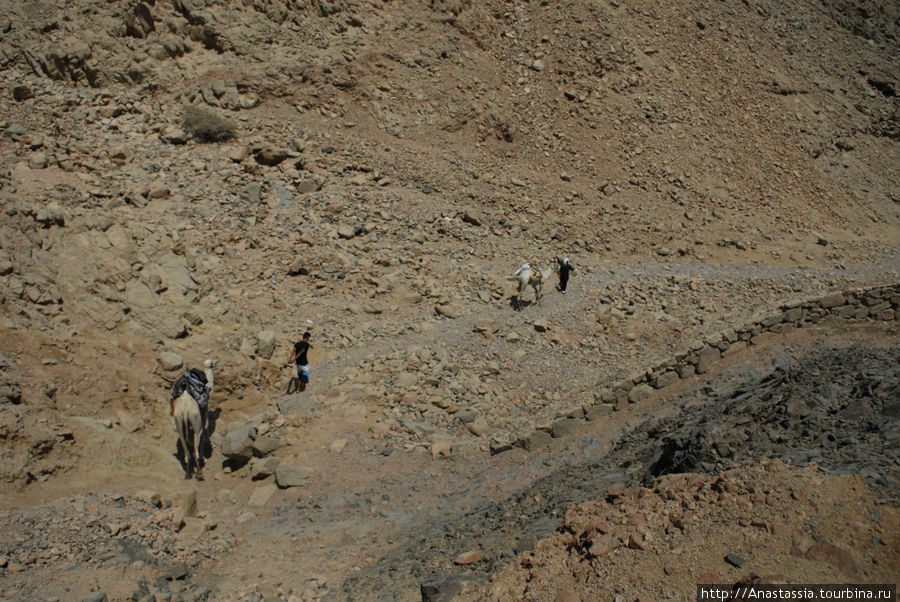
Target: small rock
598, 411
21, 92
821, 240
479, 428
708, 355
604, 545
309, 185
448, 311
170, 361
566, 426
176, 571
194, 528
173, 135
636, 542
443, 588
346, 232
288, 476
469, 557
735, 560
298, 267
270, 155
264, 467
640, 393
158, 191
536, 440
470, 218
442, 448
38, 161
832, 300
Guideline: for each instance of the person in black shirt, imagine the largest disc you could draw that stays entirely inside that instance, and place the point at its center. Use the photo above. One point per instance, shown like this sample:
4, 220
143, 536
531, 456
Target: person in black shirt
298, 356
564, 268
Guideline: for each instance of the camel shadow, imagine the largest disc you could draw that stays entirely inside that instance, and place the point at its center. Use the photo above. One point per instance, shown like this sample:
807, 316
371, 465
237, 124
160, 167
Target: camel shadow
516, 304
212, 417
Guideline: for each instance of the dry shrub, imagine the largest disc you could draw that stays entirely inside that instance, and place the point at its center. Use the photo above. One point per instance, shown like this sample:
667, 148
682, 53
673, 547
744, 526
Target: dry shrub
206, 125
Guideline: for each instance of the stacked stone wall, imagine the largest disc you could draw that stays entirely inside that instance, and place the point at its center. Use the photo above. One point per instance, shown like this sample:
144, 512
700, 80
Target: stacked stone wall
880, 304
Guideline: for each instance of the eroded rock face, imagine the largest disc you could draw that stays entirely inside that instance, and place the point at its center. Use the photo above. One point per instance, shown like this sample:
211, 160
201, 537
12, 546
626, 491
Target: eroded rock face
139, 22
10, 389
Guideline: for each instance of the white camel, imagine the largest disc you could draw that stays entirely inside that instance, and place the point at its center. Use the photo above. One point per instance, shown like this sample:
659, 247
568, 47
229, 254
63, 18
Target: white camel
190, 424
533, 276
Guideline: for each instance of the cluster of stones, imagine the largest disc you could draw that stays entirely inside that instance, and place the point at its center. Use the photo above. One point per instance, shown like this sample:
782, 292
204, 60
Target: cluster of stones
149, 529
875, 303
251, 443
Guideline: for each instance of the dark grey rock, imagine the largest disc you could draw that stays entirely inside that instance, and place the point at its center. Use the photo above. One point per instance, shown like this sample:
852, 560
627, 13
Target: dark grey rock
176, 571
288, 476
443, 589
566, 426
535, 440
708, 355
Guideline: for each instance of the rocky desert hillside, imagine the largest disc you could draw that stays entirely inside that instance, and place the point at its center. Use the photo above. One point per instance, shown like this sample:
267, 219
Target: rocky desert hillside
379, 171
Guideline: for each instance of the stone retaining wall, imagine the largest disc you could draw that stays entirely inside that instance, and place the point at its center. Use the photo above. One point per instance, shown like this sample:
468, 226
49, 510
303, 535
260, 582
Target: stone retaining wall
868, 304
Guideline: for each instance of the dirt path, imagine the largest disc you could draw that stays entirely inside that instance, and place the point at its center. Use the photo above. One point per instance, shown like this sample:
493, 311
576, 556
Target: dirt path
372, 501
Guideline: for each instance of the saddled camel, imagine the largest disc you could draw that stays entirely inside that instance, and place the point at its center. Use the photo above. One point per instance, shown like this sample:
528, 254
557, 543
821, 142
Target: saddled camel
190, 424
533, 276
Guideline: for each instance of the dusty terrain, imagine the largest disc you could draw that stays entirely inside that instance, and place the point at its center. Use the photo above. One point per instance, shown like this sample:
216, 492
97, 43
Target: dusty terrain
391, 164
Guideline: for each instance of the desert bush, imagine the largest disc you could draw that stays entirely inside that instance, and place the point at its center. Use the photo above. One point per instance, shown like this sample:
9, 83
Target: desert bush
206, 125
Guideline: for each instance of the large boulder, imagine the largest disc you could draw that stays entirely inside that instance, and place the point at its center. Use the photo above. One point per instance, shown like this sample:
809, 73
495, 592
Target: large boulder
238, 443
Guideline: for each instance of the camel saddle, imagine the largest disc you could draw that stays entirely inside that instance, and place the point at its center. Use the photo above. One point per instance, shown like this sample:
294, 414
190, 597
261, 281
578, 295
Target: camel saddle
194, 382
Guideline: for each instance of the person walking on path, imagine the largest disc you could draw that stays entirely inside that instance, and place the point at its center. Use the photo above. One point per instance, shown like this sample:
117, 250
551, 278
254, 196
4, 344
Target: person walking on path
564, 268
298, 356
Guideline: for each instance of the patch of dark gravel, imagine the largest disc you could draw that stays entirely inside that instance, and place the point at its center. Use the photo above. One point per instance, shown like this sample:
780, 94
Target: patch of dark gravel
837, 407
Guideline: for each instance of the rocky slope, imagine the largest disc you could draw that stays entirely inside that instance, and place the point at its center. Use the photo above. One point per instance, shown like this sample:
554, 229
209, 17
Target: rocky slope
391, 164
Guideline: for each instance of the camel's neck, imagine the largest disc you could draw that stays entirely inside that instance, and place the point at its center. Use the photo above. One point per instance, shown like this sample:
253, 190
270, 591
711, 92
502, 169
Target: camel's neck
209, 377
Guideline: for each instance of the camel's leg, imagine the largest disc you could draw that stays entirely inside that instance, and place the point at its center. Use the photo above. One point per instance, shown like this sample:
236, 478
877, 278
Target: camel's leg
196, 436
180, 428
203, 438
189, 449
